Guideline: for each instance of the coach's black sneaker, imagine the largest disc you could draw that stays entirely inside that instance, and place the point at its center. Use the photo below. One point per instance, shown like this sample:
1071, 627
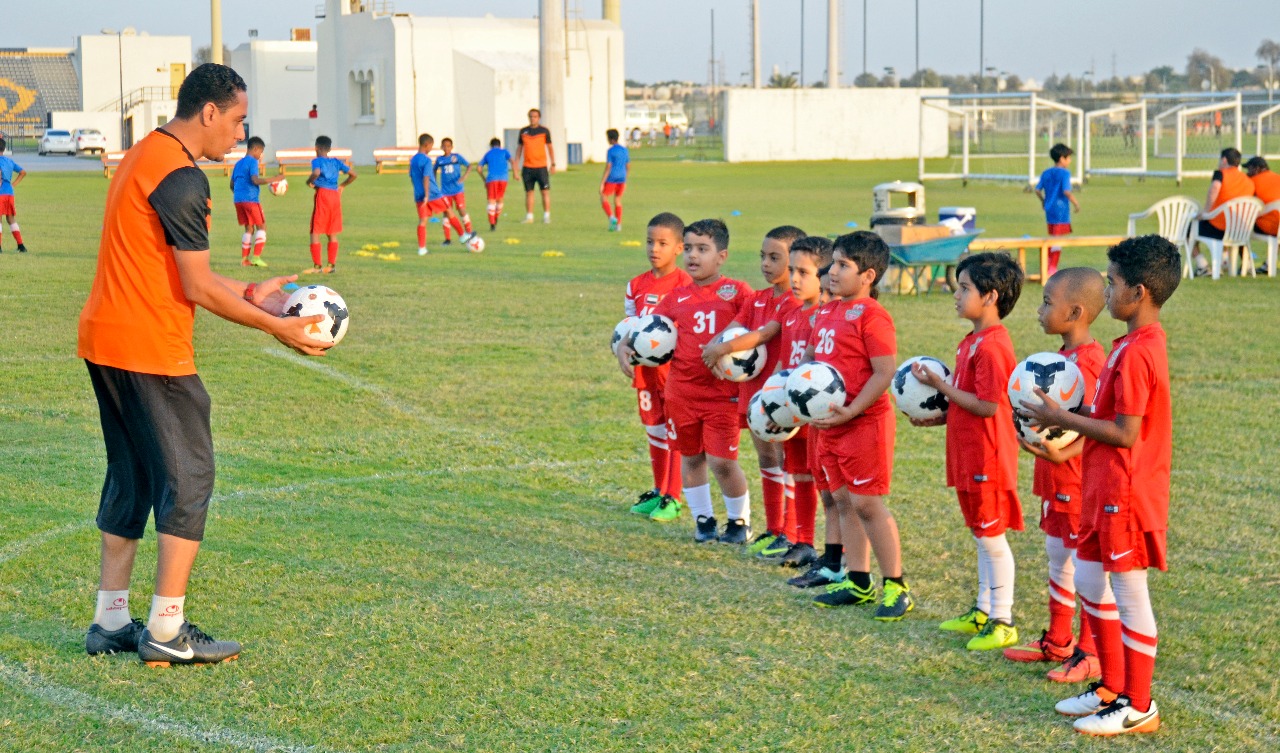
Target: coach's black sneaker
124, 640
799, 555
736, 531
818, 575
190, 646
705, 533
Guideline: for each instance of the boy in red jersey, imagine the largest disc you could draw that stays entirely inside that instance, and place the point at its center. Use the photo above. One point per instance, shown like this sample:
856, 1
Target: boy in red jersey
702, 409
665, 241
856, 337
982, 445
1073, 298
1128, 450
759, 317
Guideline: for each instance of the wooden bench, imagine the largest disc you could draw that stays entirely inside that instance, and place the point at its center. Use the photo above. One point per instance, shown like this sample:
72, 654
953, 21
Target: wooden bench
1043, 243
301, 158
395, 159
111, 161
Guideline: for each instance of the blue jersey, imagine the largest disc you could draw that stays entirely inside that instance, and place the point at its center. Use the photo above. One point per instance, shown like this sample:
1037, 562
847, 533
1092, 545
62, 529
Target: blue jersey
329, 168
497, 162
7, 169
1056, 182
618, 157
243, 189
450, 167
423, 178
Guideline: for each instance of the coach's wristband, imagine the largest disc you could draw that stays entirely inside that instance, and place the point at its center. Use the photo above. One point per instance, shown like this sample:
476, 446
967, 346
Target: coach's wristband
248, 291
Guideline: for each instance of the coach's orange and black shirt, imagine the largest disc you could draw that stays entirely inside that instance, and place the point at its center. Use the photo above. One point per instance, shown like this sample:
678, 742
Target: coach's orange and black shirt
137, 318
534, 140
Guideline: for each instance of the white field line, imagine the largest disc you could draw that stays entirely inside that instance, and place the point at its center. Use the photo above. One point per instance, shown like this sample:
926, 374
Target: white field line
29, 683
22, 546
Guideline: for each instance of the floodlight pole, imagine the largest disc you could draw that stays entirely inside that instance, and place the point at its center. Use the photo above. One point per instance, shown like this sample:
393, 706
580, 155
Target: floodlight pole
864, 37
917, 40
982, 54
215, 31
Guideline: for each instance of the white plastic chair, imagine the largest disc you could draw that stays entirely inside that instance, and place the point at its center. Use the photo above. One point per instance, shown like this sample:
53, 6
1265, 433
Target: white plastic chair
1270, 240
1174, 215
1240, 214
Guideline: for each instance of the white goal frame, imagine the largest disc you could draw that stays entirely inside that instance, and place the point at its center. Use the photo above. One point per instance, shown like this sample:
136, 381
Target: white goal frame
1179, 110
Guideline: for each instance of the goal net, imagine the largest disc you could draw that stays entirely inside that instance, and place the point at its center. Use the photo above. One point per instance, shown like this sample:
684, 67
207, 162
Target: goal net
1175, 136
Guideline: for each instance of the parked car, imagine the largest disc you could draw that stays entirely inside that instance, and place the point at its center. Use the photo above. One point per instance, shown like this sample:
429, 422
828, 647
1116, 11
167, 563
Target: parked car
89, 140
56, 141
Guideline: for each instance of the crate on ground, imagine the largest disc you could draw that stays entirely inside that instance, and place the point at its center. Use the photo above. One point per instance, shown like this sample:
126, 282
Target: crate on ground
298, 161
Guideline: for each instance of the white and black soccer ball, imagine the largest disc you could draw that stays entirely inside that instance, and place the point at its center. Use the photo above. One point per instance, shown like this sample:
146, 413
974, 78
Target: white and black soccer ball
653, 339
762, 426
622, 332
815, 390
318, 299
475, 244
1055, 438
740, 365
280, 187
914, 398
1056, 377
773, 396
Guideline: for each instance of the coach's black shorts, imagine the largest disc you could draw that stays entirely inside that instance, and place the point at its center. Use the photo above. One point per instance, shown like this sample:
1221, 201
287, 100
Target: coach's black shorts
1206, 230
535, 175
159, 452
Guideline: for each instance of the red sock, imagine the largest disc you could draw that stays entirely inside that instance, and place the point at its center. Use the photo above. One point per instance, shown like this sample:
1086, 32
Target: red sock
1085, 642
17, 236
1107, 641
315, 254
457, 225
1139, 666
674, 478
1060, 614
466, 223
806, 510
258, 246
1054, 255
422, 236
447, 236
333, 252
789, 510
608, 210
617, 212
772, 484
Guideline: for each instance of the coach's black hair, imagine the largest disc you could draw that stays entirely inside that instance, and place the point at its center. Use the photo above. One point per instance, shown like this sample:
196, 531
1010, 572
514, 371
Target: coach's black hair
670, 222
425, 138
494, 143
1059, 151
716, 230
816, 247
1232, 156
868, 251
324, 142
611, 134
787, 234
254, 141
1149, 261
994, 270
210, 82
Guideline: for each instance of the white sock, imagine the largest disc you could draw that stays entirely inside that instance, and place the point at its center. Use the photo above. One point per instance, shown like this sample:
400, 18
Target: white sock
260, 237
984, 577
699, 499
112, 612
1062, 570
13, 227
529, 216
738, 508
1000, 571
166, 617
1133, 602
246, 240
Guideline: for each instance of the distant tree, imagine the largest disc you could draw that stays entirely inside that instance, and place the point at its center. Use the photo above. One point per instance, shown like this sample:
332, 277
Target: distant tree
205, 54
819, 84
783, 81
925, 78
1012, 83
866, 81
1269, 53
888, 82
1203, 67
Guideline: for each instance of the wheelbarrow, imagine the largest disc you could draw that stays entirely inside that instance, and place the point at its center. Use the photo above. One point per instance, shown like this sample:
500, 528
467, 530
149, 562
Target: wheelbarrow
918, 263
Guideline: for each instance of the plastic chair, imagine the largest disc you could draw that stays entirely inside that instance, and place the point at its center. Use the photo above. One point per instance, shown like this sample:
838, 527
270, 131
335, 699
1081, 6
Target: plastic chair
1240, 214
1174, 215
1270, 240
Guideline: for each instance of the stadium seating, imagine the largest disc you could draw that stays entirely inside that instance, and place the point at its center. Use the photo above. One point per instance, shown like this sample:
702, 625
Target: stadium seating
34, 84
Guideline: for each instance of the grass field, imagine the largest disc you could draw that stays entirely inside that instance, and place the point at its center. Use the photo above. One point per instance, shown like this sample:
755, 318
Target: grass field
422, 539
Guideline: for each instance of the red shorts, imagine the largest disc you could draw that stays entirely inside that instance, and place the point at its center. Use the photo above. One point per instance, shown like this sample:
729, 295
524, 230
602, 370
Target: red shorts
704, 426
614, 189
458, 200
1122, 551
652, 408
494, 190
6, 205
326, 214
990, 513
815, 468
1059, 228
1060, 525
860, 457
249, 213
795, 454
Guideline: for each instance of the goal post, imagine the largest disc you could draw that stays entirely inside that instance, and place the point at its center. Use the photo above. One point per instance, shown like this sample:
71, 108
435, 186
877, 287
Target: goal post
1266, 127
1175, 136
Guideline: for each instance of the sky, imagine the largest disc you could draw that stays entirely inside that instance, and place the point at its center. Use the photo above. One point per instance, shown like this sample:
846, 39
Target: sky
671, 39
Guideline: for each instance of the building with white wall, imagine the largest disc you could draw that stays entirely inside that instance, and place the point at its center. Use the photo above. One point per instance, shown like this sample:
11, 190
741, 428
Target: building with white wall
281, 76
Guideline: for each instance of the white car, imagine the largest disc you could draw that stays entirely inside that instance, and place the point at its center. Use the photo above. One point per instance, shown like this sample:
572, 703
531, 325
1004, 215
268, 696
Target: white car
89, 140
56, 141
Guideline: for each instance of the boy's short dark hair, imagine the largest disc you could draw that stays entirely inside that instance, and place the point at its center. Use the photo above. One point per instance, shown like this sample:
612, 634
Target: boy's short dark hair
1149, 261
1059, 151
866, 249
446, 140
425, 138
787, 234
1256, 164
611, 134
3, 145
532, 110
714, 229
994, 270
324, 142
254, 142
669, 221
1232, 156
495, 142
815, 247
210, 82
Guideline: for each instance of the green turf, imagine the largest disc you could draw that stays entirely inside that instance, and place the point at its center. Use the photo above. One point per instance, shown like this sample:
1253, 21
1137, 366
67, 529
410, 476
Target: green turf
423, 540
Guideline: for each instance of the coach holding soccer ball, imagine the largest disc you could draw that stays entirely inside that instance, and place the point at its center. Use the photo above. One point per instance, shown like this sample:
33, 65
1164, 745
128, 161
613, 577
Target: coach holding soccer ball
136, 339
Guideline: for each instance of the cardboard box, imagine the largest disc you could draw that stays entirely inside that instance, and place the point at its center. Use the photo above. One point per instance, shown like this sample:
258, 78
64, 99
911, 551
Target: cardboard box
902, 235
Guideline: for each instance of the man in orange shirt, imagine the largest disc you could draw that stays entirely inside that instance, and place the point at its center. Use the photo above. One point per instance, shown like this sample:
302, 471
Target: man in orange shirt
1228, 183
1266, 186
535, 153
135, 336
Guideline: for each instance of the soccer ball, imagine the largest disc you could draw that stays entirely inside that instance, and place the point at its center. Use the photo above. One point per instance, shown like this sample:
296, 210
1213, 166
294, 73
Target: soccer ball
815, 390
762, 426
1054, 439
741, 365
773, 396
318, 299
280, 187
475, 244
653, 339
622, 331
914, 398
1056, 377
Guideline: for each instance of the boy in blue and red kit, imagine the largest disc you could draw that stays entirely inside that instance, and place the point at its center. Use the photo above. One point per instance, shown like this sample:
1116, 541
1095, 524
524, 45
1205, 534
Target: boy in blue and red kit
326, 213
702, 409
426, 193
1054, 192
665, 241
614, 181
453, 170
11, 174
246, 177
1128, 452
982, 444
496, 167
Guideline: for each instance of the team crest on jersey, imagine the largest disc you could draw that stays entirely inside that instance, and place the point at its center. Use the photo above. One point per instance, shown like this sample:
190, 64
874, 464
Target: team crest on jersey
973, 348
1073, 357
1115, 354
652, 298
813, 319
727, 292
854, 312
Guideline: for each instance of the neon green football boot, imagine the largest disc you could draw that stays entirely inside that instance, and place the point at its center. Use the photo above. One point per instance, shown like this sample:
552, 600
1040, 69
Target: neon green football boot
647, 503
760, 542
668, 509
994, 634
969, 623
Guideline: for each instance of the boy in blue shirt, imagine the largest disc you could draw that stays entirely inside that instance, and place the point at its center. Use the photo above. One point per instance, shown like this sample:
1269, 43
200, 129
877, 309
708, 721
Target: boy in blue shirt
614, 180
1054, 192
326, 214
11, 174
246, 177
451, 185
426, 192
496, 167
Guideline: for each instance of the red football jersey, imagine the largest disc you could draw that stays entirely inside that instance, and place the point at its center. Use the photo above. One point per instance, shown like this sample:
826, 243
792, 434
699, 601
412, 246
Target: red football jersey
643, 295
701, 312
763, 307
847, 336
982, 453
797, 324
1128, 489
1060, 482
